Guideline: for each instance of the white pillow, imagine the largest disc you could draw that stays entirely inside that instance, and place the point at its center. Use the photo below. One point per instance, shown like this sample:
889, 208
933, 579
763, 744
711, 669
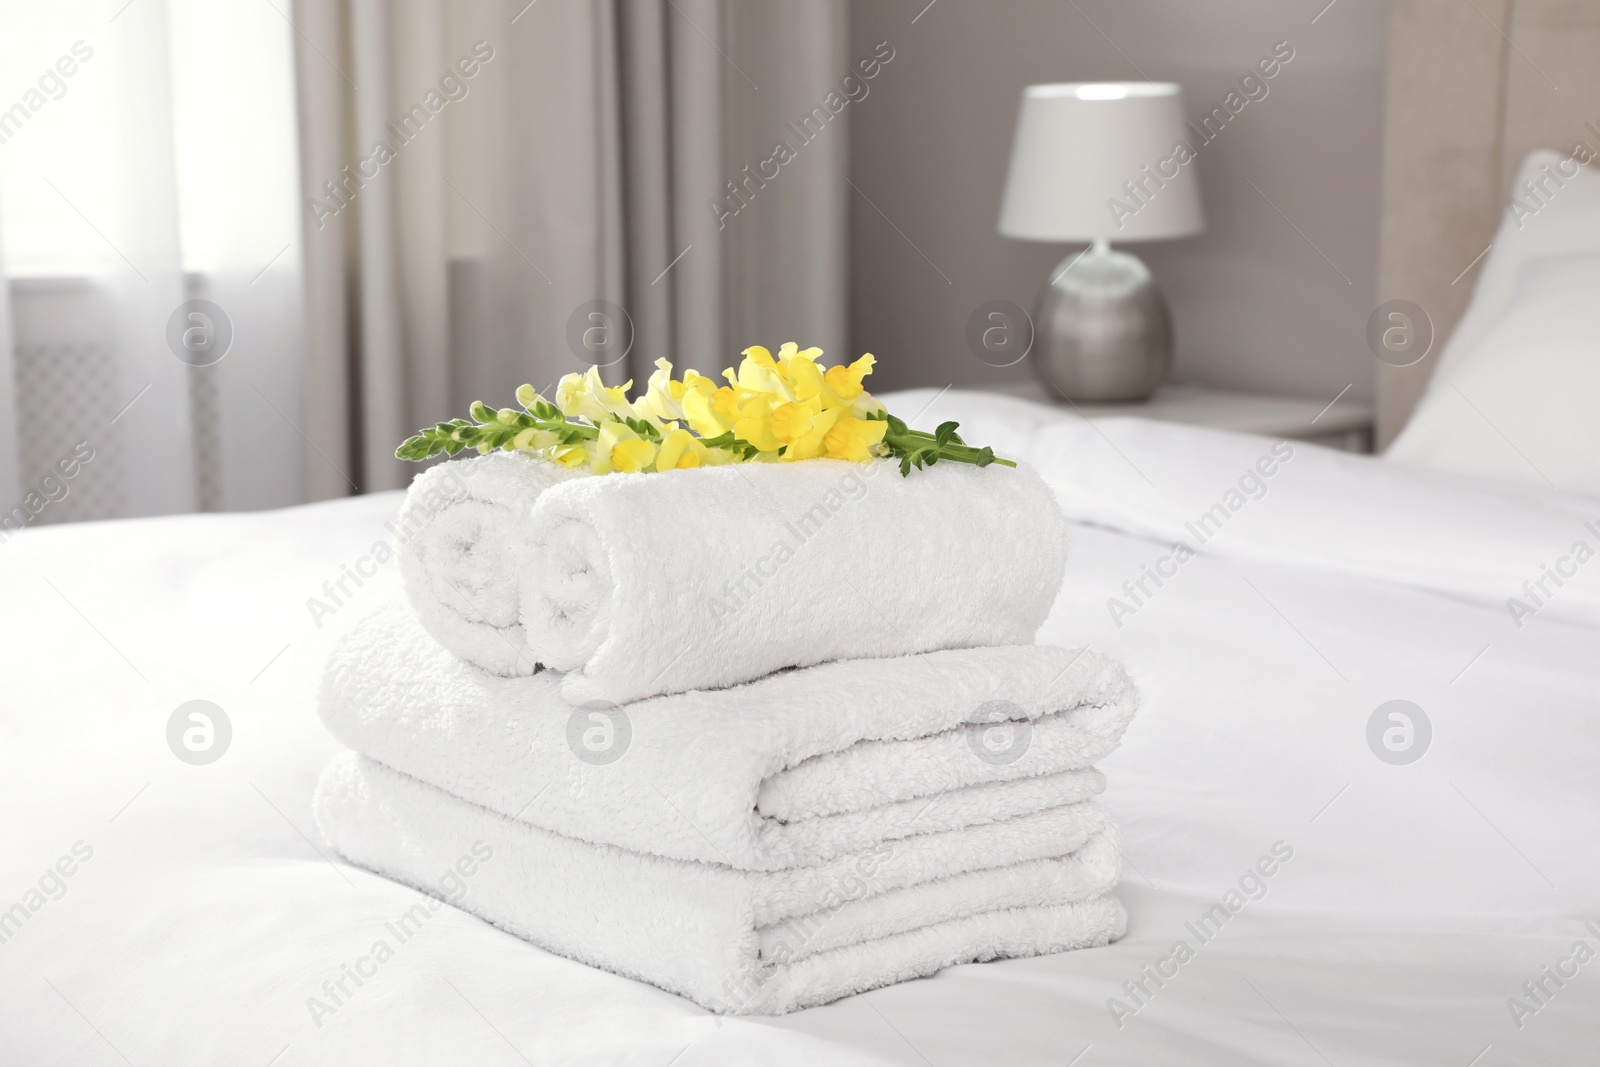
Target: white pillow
1516, 394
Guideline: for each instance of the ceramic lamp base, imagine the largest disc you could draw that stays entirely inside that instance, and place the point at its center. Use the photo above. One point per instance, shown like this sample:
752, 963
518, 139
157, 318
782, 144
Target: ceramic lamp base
1103, 332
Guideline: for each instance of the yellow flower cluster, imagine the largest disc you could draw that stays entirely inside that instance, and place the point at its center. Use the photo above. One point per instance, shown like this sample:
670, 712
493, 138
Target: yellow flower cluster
782, 408
772, 410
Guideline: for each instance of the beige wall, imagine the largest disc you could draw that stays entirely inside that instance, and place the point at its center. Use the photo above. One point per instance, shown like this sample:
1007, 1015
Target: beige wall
1256, 304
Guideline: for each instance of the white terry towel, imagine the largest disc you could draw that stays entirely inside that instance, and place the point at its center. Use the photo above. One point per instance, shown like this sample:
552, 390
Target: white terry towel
459, 534
643, 584
738, 941
791, 770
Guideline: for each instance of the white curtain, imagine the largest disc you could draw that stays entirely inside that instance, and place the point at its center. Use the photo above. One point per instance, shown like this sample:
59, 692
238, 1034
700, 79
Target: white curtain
147, 159
485, 177
384, 209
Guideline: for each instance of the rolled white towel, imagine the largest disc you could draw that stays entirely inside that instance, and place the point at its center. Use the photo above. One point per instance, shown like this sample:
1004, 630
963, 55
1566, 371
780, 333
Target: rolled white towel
460, 536
637, 585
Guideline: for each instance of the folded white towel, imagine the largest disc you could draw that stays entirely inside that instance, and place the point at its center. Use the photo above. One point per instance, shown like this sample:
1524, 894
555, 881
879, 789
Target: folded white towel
737, 941
659, 583
788, 771
460, 533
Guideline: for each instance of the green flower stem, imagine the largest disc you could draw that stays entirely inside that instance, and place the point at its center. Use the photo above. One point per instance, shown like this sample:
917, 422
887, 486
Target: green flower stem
916, 439
917, 448
494, 429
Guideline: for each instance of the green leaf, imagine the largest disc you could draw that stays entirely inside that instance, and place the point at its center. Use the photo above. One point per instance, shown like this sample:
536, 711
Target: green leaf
643, 427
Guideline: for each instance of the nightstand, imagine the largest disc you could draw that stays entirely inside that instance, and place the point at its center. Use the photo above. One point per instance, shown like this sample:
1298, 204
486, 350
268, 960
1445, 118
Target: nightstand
1346, 424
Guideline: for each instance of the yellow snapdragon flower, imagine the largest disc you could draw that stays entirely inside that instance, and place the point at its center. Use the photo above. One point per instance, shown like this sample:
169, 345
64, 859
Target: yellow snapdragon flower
620, 448
571, 456
586, 396
701, 417
681, 450
633, 456
854, 439
802, 427
533, 439
760, 373
663, 397
754, 425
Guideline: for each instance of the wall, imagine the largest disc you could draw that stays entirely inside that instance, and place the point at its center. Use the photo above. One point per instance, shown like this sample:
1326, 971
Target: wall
1274, 297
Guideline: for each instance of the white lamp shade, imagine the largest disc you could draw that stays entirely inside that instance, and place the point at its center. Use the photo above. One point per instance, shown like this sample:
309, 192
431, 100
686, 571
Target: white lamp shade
1101, 160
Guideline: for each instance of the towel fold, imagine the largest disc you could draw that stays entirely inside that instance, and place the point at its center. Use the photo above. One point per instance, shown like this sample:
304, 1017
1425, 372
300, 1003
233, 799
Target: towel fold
792, 770
737, 941
460, 534
637, 585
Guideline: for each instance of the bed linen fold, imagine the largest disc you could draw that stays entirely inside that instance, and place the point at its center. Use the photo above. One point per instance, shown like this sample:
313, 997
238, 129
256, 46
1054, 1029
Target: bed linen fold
736, 941
791, 770
1301, 506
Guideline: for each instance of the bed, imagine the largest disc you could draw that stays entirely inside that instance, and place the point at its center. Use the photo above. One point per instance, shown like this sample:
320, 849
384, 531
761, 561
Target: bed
1408, 902
1358, 799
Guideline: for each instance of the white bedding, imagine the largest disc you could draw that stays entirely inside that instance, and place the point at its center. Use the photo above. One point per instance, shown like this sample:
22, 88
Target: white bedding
1415, 899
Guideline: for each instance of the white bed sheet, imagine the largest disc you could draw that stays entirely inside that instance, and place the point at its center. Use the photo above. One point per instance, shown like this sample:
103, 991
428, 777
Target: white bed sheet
1418, 900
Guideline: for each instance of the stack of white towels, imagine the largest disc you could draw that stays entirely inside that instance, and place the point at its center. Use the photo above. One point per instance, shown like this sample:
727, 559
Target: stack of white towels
763, 736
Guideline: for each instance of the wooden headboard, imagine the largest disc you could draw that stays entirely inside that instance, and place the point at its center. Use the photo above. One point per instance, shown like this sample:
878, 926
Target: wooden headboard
1473, 87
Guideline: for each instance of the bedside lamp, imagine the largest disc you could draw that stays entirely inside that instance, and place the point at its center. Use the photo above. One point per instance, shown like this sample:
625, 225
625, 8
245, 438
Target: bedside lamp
1097, 162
